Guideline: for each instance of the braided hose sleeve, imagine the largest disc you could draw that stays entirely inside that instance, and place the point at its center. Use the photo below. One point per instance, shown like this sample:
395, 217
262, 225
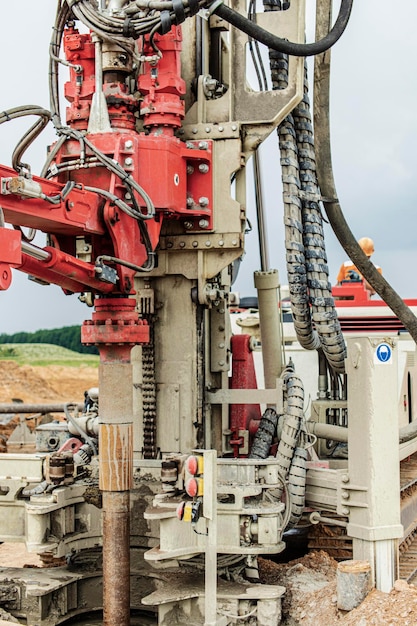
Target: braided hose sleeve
292, 423
314, 314
291, 184
324, 313
295, 256
326, 180
264, 435
295, 253
297, 485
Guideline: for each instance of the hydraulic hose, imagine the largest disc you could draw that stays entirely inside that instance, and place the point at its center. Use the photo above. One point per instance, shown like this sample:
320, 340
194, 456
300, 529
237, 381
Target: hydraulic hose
282, 45
291, 454
323, 310
308, 273
297, 477
264, 435
327, 185
294, 393
30, 109
134, 21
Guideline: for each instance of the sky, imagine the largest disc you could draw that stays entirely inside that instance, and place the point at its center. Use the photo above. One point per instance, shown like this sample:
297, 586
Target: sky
373, 137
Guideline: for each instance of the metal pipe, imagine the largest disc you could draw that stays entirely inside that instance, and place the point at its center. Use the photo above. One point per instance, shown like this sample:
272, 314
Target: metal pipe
316, 518
260, 214
116, 558
115, 340
115, 481
327, 431
17, 407
266, 284
340, 433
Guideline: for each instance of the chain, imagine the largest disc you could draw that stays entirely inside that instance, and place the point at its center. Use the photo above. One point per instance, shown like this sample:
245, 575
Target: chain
149, 398
146, 309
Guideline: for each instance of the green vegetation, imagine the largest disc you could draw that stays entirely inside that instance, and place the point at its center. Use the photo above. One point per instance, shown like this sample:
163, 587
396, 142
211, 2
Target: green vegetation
45, 354
57, 346
6, 352
67, 337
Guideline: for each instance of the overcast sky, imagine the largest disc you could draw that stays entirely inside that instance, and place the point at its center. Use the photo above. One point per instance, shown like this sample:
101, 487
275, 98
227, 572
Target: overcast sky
374, 134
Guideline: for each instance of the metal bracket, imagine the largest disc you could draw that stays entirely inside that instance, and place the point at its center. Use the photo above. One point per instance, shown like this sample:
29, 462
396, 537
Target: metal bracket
248, 396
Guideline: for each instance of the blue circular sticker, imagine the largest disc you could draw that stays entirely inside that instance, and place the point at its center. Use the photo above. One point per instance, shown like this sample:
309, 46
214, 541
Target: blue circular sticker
383, 353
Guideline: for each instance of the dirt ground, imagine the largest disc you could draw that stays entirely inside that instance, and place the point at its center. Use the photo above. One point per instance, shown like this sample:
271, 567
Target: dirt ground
311, 596
310, 582
55, 384
43, 384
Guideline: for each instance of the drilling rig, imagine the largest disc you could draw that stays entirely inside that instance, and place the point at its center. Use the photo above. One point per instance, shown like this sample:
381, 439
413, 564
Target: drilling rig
184, 468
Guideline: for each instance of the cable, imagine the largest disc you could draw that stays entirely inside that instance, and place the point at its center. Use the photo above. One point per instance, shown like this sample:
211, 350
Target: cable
63, 15
331, 203
132, 266
282, 45
127, 179
32, 133
147, 17
256, 54
237, 617
323, 311
114, 199
312, 305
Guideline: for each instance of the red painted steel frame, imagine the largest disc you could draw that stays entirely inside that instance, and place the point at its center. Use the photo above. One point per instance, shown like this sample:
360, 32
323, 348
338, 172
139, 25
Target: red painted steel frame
243, 377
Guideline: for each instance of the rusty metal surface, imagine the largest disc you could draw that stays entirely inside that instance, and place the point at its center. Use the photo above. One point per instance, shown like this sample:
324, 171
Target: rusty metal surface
116, 559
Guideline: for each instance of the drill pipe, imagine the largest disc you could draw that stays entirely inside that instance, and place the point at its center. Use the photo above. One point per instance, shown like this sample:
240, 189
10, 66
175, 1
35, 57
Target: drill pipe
116, 564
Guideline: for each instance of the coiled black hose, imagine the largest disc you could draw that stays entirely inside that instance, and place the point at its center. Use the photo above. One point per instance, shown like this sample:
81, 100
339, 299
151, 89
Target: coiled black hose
134, 22
324, 313
282, 45
308, 273
328, 190
264, 435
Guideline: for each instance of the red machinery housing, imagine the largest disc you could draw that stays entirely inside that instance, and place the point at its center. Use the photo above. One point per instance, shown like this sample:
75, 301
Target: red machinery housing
83, 199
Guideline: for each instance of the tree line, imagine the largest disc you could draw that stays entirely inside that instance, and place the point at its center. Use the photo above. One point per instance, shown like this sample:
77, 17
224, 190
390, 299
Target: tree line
67, 337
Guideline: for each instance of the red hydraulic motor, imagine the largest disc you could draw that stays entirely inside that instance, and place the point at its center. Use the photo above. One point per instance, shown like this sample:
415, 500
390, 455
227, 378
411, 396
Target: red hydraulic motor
115, 174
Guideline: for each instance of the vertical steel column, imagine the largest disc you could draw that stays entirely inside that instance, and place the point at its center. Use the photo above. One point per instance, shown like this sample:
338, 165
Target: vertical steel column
371, 491
115, 328
210, 513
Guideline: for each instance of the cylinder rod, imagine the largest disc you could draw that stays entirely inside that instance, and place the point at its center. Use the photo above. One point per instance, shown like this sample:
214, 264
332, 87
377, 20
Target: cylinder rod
260, 213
